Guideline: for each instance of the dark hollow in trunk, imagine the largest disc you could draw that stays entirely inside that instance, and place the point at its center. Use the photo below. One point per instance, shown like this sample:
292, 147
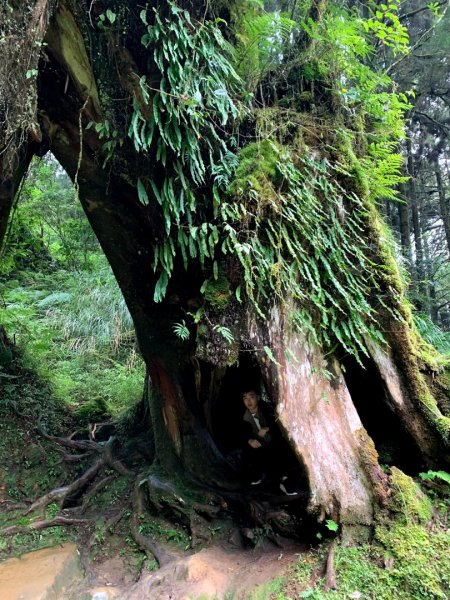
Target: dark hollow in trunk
394, 445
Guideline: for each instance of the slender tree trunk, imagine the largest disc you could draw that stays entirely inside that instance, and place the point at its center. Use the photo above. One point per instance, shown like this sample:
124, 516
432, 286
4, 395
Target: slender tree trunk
405, 226
419, 270
444, 203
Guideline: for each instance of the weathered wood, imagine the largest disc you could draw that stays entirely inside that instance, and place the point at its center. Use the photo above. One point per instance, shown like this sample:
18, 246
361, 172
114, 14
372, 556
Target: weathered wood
319, 419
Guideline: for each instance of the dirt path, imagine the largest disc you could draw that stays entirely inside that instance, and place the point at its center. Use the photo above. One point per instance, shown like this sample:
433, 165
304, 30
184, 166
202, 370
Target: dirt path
48, 573
217, 572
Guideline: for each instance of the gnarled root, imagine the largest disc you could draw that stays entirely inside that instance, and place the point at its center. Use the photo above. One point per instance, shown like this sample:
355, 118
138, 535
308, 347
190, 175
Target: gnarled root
37, 525
148, 545
103, 454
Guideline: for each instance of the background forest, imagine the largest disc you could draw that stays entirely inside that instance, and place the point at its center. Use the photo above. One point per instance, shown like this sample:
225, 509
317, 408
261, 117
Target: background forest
77, 364
61, 304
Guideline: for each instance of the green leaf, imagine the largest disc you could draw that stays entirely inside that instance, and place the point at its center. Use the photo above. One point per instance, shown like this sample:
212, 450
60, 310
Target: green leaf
331, 525
142, 193
269, 353
111, 16
224, 332
181, 330
431, 475
161, 287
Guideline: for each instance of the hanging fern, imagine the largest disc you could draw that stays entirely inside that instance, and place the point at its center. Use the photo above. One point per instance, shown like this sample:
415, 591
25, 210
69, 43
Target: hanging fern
303, 240
192, 103
283, 214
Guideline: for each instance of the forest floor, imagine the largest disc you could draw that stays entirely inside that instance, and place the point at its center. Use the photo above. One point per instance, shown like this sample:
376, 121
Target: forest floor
219, 571
407, 560
110, 563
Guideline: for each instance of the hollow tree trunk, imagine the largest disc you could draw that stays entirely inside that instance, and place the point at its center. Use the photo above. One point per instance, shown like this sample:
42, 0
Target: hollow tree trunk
315, 410
318, 417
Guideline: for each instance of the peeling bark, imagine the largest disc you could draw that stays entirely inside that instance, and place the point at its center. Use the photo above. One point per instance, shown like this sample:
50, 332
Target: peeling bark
320, 421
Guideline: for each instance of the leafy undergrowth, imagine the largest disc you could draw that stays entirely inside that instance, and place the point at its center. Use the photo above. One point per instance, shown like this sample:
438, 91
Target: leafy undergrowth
75, 332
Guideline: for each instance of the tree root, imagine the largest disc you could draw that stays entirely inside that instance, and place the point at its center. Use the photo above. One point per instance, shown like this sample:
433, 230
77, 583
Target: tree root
138, 503
71, 458
59, 495
330, 573
104, 457
94, 490
68, 442
43, 524
158, 487
6, 506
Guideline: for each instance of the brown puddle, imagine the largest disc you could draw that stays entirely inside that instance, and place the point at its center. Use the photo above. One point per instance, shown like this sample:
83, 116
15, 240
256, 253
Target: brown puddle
40, 575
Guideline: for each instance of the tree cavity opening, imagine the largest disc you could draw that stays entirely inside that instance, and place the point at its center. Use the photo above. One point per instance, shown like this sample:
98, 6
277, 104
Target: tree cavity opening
370, 398
231, 432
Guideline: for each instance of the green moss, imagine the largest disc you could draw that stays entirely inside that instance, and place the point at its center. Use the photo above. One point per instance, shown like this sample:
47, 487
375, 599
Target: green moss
414, 355
405, 563
406, 559
421, 565
407, 501
257, 174
217, 293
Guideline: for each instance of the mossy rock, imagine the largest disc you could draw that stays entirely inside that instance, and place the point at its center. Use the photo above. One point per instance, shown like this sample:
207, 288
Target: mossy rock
93, 410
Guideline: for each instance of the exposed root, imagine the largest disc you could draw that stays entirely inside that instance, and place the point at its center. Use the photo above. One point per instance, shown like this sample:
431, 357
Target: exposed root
68, 442
71, 458
330, 573
94, 490
58, 495
61, 496
7, 506
157, 487
37, 525
161, 555
114, 462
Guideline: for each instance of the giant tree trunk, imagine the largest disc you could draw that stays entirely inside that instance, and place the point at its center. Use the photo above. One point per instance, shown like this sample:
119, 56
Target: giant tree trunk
316, 411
